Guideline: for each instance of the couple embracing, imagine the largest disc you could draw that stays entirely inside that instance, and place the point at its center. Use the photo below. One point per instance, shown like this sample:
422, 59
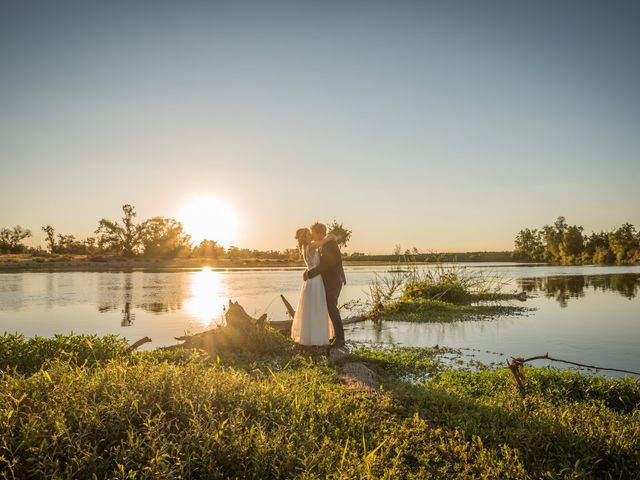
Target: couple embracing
317, 320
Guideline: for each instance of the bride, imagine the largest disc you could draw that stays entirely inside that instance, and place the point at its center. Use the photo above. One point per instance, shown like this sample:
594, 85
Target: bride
311, 323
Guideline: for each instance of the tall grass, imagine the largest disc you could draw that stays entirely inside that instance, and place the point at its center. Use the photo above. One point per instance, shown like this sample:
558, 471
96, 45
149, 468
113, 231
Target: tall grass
453, 283
442, 292
28, 355
160, 420
175, 414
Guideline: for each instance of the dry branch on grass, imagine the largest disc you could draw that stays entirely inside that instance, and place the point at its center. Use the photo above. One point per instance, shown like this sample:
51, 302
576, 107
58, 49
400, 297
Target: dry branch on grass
516, 367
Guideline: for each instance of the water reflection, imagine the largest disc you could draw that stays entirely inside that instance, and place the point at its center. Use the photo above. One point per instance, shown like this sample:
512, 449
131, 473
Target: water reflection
207, 296
563, 288
127, 315
152, 293
203, 300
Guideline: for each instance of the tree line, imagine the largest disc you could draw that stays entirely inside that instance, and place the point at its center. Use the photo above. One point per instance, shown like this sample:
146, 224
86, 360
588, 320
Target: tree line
156, 237
566, 244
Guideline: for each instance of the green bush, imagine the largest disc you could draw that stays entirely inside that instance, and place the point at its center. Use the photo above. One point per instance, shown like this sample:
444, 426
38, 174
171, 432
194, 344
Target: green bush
446, 291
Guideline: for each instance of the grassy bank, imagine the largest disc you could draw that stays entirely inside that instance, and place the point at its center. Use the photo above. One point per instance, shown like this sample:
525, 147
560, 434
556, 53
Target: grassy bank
83, 406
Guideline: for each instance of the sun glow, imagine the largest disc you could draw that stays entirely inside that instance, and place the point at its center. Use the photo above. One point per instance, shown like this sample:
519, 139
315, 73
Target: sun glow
209, 218
207, 297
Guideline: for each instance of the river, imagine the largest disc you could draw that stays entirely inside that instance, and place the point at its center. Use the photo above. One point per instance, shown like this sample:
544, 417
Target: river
589, 314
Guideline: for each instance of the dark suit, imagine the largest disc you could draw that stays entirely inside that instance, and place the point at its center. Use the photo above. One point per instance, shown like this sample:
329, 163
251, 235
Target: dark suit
333, 277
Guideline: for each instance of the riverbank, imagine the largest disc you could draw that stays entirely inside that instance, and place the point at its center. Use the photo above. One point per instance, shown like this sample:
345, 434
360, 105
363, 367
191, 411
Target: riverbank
79, 406
68, 262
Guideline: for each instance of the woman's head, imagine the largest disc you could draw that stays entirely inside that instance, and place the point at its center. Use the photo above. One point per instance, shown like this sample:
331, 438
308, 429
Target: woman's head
302, 236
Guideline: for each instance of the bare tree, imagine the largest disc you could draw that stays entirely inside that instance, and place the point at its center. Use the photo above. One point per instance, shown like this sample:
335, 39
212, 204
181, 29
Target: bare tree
51, 238
126, 238
11, 239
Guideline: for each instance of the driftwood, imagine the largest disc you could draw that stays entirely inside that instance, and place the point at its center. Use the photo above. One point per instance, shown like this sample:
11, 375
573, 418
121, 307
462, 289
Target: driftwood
239, 322
516, 366
517, 377
140, 342
547, 357
290, 310
212, 341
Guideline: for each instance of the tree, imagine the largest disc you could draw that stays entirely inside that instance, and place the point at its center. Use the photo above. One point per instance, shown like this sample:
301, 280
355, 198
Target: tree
292, 255
124, 239
624, 243
68, 244
602, 256
51, 238
342, 233
397, 250
164, 237
11, 239
529, 245
553, 236
572, 244
561, 243
233, 252
90, 244
209, 249
595, 241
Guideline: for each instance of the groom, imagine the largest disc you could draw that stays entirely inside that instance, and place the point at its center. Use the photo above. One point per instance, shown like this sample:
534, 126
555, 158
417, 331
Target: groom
330, 268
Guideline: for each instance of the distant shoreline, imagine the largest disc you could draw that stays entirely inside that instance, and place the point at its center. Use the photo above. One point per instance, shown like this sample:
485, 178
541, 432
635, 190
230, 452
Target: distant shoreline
14, 263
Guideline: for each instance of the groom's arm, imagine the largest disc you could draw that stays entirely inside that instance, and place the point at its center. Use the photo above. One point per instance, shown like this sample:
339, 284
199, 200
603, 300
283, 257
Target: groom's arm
330, 258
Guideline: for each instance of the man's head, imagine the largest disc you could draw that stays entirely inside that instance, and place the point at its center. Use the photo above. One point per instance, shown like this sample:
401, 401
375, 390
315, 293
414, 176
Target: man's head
318, 231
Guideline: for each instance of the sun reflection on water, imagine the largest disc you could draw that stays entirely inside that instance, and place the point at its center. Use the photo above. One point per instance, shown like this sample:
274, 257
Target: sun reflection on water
207, 297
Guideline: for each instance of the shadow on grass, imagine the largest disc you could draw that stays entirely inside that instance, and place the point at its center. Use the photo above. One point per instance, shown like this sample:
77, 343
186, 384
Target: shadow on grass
554, 436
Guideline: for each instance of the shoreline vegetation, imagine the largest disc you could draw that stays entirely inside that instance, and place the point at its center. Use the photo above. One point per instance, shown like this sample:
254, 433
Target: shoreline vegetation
161, 241
564, 244
107, 262
252, 404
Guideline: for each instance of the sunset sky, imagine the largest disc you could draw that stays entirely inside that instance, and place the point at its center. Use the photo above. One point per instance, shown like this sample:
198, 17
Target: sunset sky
446, 126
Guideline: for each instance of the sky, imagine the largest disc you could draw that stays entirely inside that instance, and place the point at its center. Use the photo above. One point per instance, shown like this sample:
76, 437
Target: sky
446, 126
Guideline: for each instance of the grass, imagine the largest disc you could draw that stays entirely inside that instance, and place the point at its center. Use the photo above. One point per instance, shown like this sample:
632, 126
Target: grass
440, 311
443, 293
83, 407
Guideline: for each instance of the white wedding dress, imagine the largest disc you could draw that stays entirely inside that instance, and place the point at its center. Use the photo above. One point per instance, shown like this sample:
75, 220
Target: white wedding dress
311, 324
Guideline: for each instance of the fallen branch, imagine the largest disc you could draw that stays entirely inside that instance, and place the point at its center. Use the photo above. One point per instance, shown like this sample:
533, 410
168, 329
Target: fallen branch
290, 310
547, 357
142, 341
517, 372
516, 367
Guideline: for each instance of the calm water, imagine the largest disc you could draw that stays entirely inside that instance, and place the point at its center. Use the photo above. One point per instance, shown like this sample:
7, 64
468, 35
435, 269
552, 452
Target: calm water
587, 314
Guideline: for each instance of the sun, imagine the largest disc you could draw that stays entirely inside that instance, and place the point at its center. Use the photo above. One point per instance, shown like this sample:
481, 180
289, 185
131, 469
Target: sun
209, 218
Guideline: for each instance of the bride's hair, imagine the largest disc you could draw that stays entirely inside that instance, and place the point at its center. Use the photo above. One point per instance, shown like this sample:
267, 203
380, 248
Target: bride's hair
301, 236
